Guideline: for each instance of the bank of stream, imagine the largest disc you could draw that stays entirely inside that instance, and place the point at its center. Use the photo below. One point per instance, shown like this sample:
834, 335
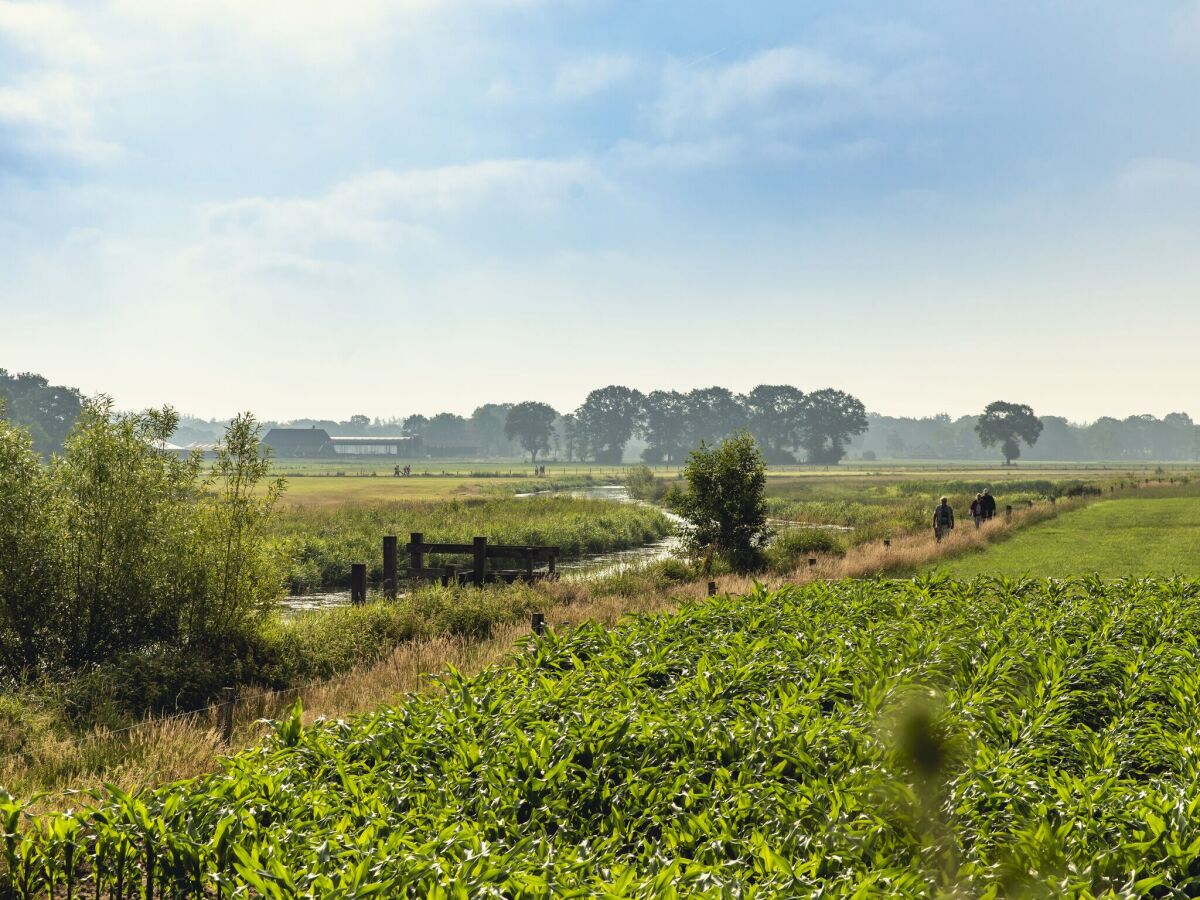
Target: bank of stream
587, 567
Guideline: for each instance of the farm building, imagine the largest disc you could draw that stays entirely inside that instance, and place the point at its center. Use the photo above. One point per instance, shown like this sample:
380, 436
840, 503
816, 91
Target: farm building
407, 446
299, 442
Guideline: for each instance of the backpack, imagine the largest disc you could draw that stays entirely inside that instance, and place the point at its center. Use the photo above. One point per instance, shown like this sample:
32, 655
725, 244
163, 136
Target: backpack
944, 514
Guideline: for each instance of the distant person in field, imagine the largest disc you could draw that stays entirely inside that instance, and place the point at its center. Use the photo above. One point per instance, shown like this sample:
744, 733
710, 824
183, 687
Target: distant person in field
943, 519
989, 503
977, 509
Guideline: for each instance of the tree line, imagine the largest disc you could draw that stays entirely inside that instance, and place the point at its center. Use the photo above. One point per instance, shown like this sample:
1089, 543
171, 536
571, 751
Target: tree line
785, 421
1134, 438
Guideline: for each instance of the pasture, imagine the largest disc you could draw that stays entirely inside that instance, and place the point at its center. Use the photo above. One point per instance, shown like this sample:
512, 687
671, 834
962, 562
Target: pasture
1112, 538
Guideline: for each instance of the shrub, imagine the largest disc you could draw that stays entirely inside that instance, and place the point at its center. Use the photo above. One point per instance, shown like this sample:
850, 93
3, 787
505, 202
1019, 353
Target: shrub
642, 485
791, 548
725, 503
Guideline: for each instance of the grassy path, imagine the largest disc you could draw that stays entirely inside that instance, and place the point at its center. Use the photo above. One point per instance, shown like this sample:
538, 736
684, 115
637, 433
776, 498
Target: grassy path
1112, 538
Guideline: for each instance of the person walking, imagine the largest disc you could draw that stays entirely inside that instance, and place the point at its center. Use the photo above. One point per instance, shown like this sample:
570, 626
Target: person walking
977, 509
989, 503
943, 519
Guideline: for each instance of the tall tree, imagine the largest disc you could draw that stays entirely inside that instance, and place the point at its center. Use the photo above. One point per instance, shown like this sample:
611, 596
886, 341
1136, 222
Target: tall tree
530, 424
1007, 424
775, 414
47, 411
713, 414
831, 418
607, 417
487, 429
663, 425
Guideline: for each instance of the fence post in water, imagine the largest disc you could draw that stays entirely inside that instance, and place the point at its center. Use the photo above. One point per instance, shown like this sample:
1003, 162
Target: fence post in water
391, 545
480, 561
358, 583
225, 714
539, 623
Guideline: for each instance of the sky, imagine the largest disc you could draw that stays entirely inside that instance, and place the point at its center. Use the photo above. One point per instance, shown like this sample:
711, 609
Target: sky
318, 209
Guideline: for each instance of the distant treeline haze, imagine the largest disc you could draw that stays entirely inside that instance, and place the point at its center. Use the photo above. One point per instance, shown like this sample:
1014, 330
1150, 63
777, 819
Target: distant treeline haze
617, 422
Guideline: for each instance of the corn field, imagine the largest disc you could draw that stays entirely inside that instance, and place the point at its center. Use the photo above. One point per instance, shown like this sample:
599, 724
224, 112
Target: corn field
857, 738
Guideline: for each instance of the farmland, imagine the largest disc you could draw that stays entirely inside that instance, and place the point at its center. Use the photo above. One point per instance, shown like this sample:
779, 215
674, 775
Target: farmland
899, 738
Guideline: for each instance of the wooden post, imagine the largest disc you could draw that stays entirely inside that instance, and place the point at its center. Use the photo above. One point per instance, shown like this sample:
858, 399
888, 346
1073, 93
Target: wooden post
358, 583
1008, 512
225, 714
529, 564
812, 561
550, 566
416, 559
539, 623
449, 576
887, 543
391, 546
712, 589
480, 561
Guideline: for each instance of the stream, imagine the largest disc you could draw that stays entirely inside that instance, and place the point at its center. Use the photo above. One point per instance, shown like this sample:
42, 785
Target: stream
595, 565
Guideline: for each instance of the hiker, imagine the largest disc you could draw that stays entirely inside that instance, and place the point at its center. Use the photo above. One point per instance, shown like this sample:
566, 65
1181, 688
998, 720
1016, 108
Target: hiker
989, 503
977, 509
943, 520
396, 473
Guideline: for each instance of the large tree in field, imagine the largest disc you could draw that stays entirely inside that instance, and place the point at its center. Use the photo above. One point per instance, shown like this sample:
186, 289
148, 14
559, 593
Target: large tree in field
607, 419
663, 425
831, 418
1007, 424
775, 414
47, 411
530, 424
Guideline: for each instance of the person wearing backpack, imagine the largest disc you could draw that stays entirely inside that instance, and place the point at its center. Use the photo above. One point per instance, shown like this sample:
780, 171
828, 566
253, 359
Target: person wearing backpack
943, 519
989, 504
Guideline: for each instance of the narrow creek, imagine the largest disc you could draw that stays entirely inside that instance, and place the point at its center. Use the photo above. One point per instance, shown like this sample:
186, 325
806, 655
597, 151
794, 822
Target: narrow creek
594, 565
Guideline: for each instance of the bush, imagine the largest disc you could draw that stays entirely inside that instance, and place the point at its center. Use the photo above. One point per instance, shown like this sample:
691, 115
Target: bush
642, 485
118, 547
725, 503
791, 548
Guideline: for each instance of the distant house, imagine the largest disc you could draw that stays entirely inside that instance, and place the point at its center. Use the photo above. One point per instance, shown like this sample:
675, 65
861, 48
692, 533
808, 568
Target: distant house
299, 442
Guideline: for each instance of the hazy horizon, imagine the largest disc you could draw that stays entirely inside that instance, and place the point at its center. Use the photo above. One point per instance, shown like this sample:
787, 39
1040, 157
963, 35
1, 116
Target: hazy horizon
315, 210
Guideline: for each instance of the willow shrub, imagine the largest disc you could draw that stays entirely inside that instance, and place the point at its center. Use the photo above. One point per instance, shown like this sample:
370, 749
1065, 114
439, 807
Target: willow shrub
118, 546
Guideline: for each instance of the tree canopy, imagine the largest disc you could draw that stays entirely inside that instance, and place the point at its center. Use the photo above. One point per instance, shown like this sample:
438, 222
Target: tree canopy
1007, 424
531, 425
46, 411
830, 419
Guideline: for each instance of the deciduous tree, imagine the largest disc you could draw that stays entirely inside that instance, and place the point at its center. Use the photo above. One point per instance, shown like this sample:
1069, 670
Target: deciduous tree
1007, 424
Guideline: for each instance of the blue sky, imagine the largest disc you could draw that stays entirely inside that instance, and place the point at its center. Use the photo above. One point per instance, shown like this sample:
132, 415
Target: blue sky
322, 209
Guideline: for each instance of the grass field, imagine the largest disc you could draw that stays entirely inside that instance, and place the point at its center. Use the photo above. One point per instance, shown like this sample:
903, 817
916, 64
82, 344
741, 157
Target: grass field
1112, 538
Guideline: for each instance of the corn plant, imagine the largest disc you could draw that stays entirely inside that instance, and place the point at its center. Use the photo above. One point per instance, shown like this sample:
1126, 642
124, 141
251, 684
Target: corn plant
996, 737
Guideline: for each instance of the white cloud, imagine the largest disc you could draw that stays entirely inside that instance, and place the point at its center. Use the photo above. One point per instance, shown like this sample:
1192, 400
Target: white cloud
679, 154
386, 212
53, 113
692, 93
590, 75
54, 33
